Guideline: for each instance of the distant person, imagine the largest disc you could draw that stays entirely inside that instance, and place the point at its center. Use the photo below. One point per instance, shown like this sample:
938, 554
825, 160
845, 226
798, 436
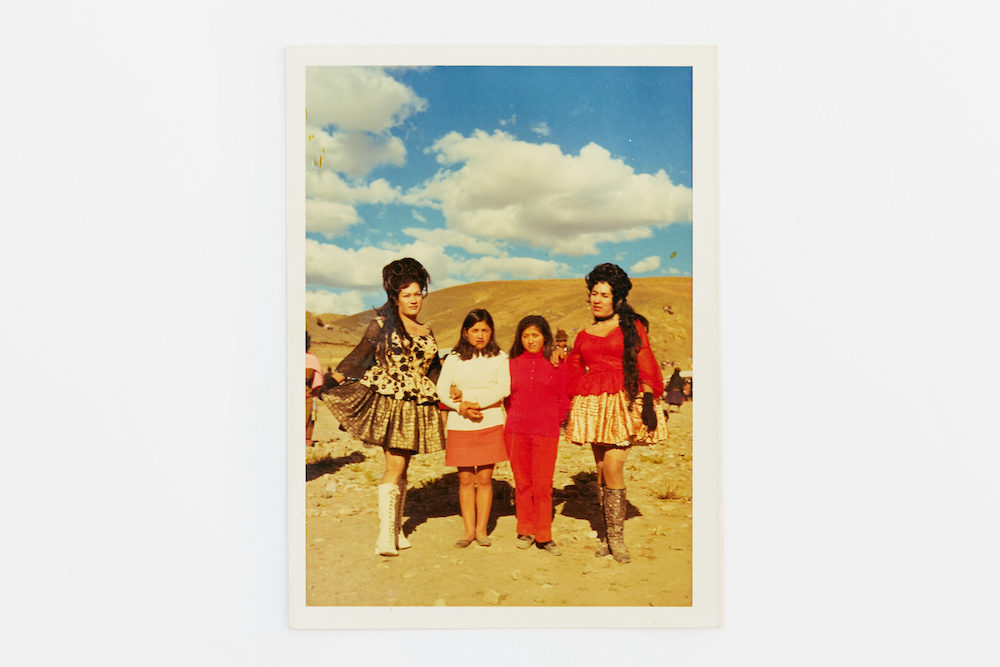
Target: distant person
536, 408
688, 389
560, 347
616, 391
391, 401
474, 381
675, 389
314, 382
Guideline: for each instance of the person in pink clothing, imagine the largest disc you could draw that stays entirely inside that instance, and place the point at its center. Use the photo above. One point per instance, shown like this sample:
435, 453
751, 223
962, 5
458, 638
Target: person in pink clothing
314, 382
537, 405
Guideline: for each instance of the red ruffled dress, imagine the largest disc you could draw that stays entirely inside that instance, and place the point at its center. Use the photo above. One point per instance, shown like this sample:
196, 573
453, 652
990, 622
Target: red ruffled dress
600, 412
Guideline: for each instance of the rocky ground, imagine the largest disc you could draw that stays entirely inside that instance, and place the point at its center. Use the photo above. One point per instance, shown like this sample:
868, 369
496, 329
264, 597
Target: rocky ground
341, 524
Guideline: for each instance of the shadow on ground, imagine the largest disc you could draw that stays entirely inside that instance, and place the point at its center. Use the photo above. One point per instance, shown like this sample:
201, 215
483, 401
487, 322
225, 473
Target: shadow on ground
579, 501
439, 498
332, 465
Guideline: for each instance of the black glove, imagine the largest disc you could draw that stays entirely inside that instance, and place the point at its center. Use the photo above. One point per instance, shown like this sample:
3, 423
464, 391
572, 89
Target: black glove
648, 412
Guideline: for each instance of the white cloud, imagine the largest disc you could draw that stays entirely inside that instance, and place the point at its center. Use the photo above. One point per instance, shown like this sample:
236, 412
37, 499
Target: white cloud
651, 263
449, 237
330, 265
673, 270
328, 185
530, 193
418, 217
362, 99
322, 301
504, 122
352, 153
329, 218
541, 128
510, 268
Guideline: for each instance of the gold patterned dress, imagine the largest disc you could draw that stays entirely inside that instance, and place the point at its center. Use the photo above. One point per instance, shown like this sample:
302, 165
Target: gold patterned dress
394, 403
600, 411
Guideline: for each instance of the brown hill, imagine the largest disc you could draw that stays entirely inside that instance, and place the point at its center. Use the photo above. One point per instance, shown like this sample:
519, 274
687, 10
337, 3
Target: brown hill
562, 302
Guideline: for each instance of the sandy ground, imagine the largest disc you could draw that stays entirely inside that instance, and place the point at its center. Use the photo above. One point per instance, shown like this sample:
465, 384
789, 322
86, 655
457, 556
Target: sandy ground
341, 525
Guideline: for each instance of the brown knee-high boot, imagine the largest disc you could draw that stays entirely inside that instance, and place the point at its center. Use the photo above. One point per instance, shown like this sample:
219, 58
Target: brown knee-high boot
602, 527
614, 513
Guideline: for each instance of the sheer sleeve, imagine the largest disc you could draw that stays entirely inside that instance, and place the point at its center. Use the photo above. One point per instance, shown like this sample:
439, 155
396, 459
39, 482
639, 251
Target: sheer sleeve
649, 370
572, 368
362, 357
445, 379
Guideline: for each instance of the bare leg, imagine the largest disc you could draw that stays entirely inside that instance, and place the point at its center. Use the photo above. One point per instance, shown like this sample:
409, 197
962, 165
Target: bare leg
614, 467
598, 451
467, 500
397, 461
484, 498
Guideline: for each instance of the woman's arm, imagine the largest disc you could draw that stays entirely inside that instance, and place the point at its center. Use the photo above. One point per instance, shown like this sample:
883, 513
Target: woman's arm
446, 379
362, 357
650, 376
498, 387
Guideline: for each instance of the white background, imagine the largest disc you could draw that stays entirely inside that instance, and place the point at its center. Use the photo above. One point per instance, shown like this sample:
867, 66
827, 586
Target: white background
142, 259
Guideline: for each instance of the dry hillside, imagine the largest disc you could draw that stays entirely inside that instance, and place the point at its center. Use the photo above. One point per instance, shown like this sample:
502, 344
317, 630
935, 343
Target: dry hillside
562, 302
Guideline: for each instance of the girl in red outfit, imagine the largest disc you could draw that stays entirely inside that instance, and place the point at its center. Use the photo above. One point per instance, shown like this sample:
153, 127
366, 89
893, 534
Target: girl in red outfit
616, 388
537, 406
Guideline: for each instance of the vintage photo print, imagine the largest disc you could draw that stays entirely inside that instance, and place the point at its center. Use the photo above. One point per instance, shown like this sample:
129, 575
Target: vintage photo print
503, 266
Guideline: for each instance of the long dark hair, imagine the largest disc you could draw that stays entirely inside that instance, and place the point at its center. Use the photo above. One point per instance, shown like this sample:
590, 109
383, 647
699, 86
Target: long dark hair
618, 280
395, 276
464, 349
517, 349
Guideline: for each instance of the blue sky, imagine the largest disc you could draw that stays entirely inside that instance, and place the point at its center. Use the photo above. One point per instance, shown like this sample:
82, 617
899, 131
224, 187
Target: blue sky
493, 173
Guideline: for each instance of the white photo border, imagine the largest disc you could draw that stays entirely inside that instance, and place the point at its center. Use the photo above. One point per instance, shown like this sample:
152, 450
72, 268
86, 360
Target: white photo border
705, 610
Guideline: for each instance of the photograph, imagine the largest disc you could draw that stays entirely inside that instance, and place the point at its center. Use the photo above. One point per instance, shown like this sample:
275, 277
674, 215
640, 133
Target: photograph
503, 290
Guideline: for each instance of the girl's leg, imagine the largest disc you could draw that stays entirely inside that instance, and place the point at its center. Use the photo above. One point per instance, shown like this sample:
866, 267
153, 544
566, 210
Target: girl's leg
520, 464
484, 498
543, 466
467, 500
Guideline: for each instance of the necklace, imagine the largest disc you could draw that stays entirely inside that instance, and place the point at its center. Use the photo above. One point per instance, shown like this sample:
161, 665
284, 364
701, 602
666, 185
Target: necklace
605, 318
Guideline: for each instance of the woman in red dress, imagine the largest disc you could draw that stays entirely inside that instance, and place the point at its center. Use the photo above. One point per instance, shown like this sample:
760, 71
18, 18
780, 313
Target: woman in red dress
616, 388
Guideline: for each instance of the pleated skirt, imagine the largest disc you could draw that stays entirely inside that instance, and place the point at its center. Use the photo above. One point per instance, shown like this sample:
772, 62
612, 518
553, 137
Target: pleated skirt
385, 421
606, 419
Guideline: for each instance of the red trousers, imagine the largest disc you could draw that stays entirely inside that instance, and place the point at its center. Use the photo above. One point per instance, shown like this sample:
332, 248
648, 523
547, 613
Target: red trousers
533, 462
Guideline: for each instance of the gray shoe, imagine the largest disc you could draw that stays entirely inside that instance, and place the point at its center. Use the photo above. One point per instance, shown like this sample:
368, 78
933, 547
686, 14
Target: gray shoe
552, 548
524, 541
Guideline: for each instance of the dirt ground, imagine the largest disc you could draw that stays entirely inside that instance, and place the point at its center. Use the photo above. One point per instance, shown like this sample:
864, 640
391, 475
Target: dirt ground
341, 525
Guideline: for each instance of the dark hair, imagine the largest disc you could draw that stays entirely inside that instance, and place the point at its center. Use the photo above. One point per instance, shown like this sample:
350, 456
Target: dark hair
517, 349
620, 285
395, 276
464, 349
308, 341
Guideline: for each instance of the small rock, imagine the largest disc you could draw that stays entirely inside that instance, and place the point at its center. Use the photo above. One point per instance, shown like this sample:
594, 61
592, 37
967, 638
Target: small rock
440, 603
319, 539
546, 586
492, 597
515, 575
592, 534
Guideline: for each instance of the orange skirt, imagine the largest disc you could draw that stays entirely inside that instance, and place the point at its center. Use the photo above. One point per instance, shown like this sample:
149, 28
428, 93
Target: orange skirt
475, 448
606, 419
